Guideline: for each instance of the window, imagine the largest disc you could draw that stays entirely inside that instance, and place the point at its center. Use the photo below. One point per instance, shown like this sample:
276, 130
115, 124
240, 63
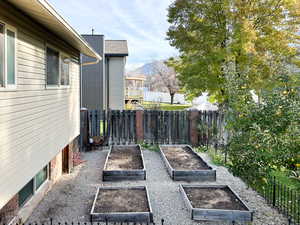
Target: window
64, 80
2, 57
32, 186
7, 56
11, 57
52, 67
41, 177
58, 68
25, 193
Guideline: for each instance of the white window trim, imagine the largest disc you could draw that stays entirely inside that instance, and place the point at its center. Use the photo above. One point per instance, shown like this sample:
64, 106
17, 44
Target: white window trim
60, 56
9, 87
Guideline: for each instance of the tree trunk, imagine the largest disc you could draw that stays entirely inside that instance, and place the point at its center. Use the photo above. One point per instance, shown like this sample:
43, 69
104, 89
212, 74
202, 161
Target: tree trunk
172, 98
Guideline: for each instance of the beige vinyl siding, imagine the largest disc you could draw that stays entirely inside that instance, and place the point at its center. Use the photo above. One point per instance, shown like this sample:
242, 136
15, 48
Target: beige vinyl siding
116, 83
35, 122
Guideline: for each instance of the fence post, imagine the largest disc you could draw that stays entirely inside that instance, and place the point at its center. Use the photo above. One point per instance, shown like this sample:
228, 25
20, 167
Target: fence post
193, 119
274, 191
84, 129
139, 119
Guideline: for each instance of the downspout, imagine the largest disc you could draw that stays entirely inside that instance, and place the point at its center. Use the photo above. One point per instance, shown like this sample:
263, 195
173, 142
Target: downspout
108, 77
80, 74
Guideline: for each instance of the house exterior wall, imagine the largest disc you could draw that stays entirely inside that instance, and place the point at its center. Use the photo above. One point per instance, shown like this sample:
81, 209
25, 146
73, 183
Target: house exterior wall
10, 210
36, 122
93, 76
116, 76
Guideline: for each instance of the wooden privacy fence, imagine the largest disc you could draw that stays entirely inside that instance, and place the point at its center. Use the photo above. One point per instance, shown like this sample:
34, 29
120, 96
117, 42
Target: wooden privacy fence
154, 127
166, 127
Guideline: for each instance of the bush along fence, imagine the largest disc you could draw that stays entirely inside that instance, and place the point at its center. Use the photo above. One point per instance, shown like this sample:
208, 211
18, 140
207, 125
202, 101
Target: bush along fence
277, 194
152, 127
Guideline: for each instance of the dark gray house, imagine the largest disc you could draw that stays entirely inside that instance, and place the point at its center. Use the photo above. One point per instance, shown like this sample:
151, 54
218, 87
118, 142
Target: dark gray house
103, 84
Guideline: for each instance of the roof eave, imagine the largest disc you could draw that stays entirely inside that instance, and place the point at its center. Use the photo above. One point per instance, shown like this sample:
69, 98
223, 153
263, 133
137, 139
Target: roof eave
43, 6
70, 28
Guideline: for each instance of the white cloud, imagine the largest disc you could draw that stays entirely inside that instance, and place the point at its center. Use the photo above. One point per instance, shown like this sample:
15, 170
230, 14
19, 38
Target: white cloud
142, 23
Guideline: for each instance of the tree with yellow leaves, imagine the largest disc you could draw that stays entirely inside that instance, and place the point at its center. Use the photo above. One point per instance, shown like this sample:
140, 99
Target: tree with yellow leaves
252, 41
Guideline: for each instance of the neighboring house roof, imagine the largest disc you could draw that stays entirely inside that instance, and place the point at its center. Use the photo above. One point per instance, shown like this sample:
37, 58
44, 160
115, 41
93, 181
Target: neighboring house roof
116, 48
45, 14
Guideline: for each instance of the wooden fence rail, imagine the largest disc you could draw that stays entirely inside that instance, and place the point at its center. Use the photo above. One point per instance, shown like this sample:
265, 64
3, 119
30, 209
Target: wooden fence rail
155, 127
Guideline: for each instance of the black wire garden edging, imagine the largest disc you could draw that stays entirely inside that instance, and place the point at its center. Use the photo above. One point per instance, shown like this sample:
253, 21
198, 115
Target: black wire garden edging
283, 198
162, 222
278, 195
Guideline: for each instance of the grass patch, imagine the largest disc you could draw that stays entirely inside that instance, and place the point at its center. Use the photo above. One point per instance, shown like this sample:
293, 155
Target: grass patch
217, 156
150, 147
164, 106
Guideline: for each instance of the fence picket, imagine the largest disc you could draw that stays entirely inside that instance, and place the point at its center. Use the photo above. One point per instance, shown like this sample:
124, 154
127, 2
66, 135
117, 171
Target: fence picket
159, 127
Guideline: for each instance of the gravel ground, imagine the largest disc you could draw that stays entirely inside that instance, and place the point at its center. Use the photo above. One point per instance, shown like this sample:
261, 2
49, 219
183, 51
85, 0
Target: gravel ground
71, 198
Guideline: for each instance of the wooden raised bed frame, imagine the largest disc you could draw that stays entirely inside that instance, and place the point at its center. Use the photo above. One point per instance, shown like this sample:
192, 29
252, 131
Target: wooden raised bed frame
208, 174
206, 214
124, 174
122, 216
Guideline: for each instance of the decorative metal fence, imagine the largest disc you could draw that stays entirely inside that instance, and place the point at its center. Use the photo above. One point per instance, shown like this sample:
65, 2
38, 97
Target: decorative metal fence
280, 196
161, 222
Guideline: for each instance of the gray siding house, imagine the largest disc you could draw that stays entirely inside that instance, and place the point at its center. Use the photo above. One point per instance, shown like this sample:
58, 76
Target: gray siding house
103, 85
39, 102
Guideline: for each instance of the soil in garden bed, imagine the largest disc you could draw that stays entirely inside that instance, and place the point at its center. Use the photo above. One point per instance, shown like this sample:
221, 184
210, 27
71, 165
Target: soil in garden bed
121, 200
181, 158
214, 198
124, 158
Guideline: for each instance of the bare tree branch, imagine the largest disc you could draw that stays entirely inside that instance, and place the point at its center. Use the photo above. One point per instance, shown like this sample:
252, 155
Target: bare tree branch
168, 77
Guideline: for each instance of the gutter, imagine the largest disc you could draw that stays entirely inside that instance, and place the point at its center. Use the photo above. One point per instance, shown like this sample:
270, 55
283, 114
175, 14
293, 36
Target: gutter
62, 21
91, 63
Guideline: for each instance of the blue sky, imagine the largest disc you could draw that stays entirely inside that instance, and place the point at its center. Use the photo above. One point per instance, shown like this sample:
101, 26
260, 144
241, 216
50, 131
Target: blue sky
142, 22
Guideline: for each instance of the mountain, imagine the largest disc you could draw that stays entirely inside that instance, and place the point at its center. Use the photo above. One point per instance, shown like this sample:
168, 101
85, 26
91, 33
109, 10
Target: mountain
153, 81
147, 69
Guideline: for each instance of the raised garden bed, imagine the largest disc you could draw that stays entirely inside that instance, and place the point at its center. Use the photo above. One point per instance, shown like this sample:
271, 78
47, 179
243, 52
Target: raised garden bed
124, 162
122, 204
215, 202
184, 164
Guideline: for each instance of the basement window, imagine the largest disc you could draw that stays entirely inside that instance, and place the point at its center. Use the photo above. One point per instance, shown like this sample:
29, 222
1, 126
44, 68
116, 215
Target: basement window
41, 177
26, 193
32, 186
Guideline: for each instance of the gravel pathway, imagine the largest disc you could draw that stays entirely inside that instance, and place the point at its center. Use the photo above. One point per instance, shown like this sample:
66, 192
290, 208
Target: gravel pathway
71, 198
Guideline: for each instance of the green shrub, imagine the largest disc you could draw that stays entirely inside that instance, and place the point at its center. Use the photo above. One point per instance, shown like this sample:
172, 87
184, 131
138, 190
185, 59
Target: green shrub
266, 137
